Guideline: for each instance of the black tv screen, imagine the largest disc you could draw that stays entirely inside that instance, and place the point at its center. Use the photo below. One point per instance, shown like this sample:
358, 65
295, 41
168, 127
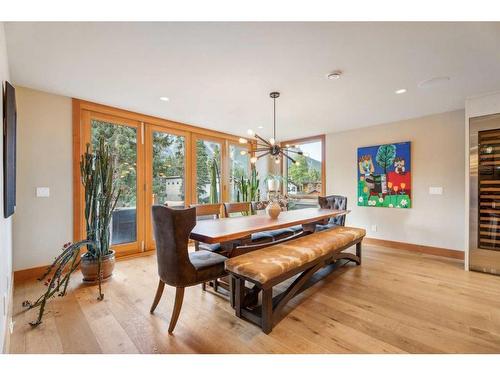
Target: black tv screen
9, 150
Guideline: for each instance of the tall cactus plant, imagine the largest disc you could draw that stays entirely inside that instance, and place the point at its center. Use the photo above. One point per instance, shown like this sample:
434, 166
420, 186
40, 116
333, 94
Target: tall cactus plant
214, 181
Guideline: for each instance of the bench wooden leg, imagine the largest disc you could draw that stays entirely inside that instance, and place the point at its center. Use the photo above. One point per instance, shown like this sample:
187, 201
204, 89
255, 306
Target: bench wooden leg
358, 251
267, 310
232, 290
239, 295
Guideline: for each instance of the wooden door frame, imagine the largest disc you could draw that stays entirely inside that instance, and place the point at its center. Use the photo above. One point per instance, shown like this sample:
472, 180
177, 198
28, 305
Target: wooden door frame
84, 132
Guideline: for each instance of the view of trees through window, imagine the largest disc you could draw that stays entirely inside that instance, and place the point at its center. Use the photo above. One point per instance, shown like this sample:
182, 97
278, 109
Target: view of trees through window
239, 166
304, 178
123, 141
168, 169
208, 162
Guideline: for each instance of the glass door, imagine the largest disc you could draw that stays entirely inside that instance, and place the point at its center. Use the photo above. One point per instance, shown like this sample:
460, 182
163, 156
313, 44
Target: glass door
208, 174
239, 167
167, 180
124, 138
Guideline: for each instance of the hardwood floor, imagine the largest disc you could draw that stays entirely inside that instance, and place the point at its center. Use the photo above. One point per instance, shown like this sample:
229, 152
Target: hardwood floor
395, 302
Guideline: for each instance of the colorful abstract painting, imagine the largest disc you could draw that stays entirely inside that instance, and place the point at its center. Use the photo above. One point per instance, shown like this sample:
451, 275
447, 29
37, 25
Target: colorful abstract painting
384, 176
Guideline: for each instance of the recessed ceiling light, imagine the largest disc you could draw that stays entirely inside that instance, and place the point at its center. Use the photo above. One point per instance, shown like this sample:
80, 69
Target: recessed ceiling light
260, 127
334, 75
434, 81
164, 99
400, 91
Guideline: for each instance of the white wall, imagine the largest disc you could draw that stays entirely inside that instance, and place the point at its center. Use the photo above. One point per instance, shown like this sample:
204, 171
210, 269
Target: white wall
483, 105
43, 225
5, 224
437, 152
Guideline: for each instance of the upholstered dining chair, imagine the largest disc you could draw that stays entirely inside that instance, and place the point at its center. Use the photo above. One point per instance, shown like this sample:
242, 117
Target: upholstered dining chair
176, 266
333, 202
245, 208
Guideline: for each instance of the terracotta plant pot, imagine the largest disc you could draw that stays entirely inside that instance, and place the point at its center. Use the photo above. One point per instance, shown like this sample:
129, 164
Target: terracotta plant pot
273, 210
89, 267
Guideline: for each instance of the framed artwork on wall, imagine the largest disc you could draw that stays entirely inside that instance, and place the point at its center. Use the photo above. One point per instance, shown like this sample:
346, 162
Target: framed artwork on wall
384, 175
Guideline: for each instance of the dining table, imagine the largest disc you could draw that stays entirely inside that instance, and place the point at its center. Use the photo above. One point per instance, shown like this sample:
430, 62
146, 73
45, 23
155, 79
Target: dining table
231, 229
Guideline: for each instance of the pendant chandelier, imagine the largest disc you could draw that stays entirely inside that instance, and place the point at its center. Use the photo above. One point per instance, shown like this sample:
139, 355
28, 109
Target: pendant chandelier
271, 147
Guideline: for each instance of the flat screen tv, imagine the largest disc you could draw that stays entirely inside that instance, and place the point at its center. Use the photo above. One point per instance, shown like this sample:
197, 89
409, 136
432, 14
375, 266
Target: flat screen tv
9, 150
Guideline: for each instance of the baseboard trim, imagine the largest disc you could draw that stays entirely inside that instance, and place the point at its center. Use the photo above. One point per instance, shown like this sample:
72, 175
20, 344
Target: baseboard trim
439, 251
35, 272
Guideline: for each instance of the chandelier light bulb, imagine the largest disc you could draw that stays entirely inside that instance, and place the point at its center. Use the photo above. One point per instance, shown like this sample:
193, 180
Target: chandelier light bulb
277, 160
243, 152
287, 145
297, 162
250, 132
272, 141
243, 141
253, 160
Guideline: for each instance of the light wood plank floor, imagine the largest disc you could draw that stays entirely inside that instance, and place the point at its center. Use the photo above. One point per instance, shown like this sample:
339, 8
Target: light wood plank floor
396, 302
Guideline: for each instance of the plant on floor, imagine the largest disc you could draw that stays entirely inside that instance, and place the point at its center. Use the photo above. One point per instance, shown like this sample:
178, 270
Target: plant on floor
101, 196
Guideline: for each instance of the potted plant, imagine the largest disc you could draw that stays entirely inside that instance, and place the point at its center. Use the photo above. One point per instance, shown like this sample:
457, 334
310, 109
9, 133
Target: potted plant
96, 169
98, 261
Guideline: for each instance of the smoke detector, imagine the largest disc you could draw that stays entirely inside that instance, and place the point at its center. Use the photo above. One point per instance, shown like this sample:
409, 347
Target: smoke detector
334, 75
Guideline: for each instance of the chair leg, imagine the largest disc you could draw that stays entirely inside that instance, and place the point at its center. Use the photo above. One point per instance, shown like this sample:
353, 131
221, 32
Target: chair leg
203, 286
179, 296
159, 292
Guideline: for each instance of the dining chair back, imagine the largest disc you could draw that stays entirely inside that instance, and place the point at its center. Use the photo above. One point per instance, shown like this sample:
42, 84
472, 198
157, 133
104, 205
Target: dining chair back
236, 207
334, 202
212, 209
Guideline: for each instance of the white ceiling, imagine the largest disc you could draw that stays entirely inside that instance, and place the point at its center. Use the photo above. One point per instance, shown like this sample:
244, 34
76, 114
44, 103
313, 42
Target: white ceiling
219, 75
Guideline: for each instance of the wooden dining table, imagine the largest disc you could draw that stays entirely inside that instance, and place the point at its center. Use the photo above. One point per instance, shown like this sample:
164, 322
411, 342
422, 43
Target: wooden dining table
236, 228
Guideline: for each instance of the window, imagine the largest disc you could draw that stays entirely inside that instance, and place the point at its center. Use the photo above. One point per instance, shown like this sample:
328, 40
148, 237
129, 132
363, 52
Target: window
305, 179
208, 171
239, 167
168, 169
157, 162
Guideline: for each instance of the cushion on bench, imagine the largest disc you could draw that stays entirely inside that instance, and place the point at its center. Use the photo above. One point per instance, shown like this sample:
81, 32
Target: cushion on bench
265, 264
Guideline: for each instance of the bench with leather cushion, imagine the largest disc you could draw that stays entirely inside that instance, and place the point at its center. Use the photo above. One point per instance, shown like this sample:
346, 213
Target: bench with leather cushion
268, 267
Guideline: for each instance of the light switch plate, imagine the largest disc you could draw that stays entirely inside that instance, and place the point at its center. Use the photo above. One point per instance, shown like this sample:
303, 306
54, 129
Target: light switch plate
435, 190
42, 192
374, 228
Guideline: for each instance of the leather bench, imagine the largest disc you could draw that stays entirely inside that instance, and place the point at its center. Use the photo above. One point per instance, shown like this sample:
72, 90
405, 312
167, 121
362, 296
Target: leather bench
268, 267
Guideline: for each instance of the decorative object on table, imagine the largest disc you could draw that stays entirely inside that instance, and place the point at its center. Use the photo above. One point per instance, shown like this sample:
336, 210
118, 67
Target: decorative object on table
97, 263
271, 147
384, 175
273, 209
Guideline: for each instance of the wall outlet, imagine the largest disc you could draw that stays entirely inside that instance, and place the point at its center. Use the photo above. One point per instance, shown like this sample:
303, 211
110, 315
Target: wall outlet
374, 228
435, 190
42, 192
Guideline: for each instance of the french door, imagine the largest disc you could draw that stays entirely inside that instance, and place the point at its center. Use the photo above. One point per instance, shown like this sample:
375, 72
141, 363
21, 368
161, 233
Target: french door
167, 161
155, 163
125, 138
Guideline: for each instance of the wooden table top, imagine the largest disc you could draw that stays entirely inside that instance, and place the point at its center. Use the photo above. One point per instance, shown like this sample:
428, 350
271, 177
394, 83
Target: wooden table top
233, 228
